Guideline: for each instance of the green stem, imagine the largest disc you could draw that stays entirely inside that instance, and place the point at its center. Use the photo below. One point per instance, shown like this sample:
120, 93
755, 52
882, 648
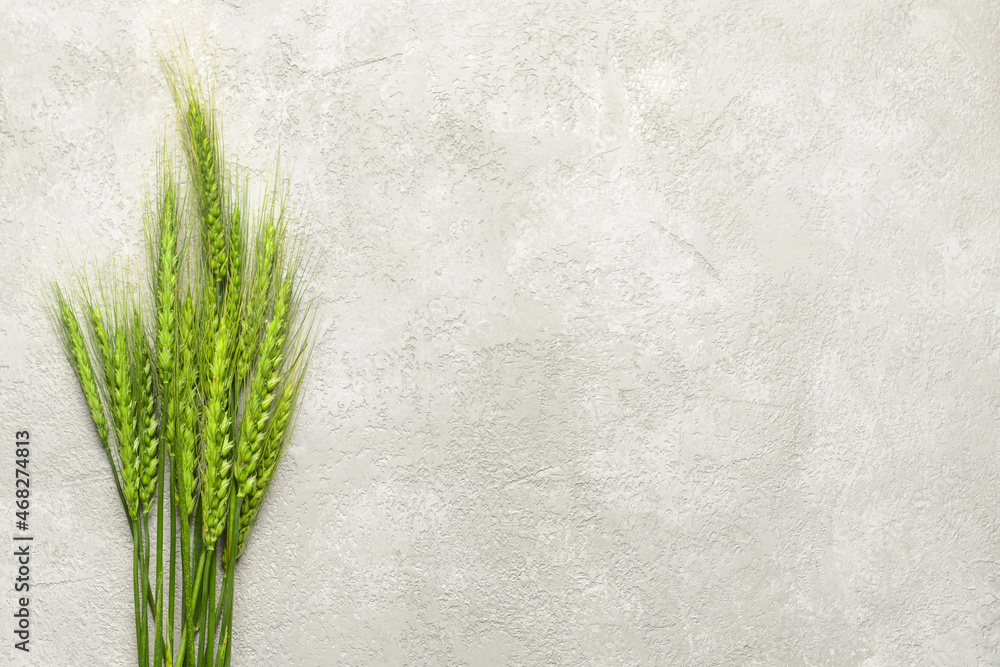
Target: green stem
118, 484
200, 603
200, 617
198, 586
198, 554
146, 592
232, 533
171, 595
183, 648
208, 628
189, 586
136, 587
210, 616
223, 646
151, 601
196, 536
159, 647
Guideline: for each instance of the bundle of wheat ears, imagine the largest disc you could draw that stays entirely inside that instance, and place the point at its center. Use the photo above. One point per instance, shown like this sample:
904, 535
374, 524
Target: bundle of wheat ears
193, 389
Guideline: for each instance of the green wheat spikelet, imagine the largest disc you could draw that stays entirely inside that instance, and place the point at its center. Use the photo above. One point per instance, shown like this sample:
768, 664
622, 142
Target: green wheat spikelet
123, 408
186, 459
203, 157
261, 291
216, 462
148, 441
166, 266
76, 347
261, 396
236, 247
102, 340
274, 442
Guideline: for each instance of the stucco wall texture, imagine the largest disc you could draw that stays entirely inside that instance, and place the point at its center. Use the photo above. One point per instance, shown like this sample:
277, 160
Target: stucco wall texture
649, 333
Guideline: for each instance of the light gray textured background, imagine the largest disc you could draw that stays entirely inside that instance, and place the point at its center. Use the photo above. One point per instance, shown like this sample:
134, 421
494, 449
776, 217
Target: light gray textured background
651, 333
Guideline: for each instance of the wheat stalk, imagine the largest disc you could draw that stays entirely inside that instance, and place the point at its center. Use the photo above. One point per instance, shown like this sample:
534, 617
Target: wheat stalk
165, 262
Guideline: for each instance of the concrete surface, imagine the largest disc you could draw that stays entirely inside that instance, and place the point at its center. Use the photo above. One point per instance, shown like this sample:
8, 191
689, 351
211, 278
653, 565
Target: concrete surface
651, 333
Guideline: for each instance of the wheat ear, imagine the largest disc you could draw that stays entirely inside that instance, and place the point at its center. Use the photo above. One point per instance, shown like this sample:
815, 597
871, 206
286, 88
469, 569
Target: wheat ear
235, 250
167, 263
148, 424
102, 340
186, 459
276, 437
260, 294
123, 409
204, 159
216, 460
200, 139
76, 348
262, 387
